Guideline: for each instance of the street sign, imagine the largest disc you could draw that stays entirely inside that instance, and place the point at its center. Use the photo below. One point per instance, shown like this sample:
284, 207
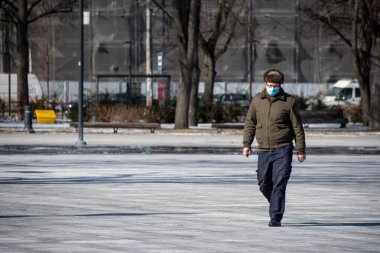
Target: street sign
160, 56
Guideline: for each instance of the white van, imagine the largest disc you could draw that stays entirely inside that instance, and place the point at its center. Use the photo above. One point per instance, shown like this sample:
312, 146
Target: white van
343, 92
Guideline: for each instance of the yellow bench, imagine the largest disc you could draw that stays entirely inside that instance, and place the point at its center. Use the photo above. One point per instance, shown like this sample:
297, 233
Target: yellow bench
45, 116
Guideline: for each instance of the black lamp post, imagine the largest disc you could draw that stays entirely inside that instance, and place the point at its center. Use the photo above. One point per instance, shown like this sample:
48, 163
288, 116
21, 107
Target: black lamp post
80, 140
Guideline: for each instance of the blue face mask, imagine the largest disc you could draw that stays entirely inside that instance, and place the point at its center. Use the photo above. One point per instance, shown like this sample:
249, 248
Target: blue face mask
272, 91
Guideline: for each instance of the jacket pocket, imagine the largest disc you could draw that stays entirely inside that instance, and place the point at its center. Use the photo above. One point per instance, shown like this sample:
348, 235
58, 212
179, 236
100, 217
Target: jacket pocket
282, 134
259, 133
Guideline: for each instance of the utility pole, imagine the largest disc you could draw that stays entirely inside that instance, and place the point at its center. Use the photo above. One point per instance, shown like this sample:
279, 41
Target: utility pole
250, 78
297, 42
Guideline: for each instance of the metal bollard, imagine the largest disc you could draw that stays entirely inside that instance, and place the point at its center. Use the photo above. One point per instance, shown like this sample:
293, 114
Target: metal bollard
28, 115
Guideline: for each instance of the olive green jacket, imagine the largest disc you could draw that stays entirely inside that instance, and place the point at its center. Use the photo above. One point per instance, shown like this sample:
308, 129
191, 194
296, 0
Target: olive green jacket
275, 121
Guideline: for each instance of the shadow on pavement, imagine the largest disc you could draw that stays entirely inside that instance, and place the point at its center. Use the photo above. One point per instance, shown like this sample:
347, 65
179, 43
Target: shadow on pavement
334, 224
88, 215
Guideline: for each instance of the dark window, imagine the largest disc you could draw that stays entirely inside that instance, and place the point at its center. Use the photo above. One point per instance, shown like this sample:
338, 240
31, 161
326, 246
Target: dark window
357, 92
346, 93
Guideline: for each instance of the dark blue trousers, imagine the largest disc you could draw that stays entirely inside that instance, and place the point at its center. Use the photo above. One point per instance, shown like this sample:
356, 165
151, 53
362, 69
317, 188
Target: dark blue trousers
273, 172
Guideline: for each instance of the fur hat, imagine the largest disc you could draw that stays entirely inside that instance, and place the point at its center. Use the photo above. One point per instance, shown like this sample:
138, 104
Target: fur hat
273, 76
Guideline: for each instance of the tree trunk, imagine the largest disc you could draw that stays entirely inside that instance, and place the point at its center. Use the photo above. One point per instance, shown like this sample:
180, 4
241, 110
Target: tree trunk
374, 119
361, 53
182, 107
209, 78
187, 18
364, 82
193, 110
22, 58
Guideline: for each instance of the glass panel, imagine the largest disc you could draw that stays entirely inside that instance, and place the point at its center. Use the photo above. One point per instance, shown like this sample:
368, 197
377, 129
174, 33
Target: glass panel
357, 92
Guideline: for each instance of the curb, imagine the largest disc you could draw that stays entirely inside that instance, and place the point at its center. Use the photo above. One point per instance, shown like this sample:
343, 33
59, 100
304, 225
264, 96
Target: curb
55, 150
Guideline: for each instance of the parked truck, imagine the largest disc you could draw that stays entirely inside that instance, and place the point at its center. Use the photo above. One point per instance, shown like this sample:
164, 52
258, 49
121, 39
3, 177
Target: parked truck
343, 92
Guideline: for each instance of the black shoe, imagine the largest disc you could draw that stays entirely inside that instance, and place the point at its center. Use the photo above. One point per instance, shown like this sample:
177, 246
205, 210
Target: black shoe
274, 223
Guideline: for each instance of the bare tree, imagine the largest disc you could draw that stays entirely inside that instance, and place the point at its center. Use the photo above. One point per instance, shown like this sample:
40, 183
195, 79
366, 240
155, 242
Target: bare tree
186, 21
22, 13
185, 16
224, 24
43, 43
209, 41
359, 28
46, 43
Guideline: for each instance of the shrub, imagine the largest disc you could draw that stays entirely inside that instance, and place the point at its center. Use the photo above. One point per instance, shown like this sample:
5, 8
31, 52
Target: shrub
167, 110
353, 113
209, 113
316, 102
115, 113
222, 113
206, 113
2, 108
234, 113
165, 113
302, 102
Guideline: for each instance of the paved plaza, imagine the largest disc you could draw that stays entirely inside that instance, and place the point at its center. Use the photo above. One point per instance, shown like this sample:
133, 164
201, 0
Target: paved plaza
184, 203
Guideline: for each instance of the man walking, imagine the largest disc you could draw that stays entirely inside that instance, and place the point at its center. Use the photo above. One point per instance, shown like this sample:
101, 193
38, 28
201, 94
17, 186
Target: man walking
275, 121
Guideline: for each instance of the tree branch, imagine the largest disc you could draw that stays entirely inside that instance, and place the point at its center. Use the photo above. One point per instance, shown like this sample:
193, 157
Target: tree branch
374, 10
202, 42
224, 8
9, 7
230, 36
32, 6
328, 23
60, 7
161, 7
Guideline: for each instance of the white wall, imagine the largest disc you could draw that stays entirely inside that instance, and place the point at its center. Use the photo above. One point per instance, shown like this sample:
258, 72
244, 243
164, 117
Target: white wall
35, 89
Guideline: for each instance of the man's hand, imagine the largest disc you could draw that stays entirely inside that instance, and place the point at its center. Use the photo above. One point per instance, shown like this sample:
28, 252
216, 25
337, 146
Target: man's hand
246, 151
301, 157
